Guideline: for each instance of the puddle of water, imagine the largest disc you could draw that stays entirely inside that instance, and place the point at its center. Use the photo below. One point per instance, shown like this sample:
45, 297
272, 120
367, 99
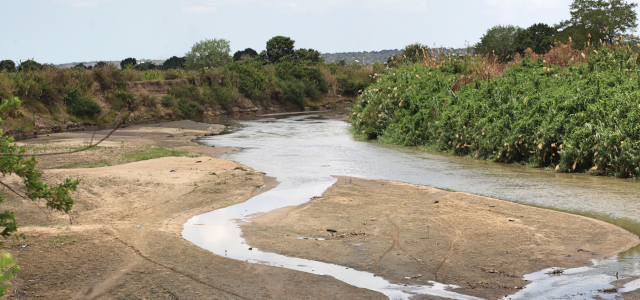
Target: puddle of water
302, 152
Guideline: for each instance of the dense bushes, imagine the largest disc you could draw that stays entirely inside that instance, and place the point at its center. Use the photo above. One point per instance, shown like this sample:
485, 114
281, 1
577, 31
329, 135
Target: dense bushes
583, 117
79, 105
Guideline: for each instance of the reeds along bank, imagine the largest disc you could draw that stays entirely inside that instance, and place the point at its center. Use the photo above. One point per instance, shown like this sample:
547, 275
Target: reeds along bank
569, 110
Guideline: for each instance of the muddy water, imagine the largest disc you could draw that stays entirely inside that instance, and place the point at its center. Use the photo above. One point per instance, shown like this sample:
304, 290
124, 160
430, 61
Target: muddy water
302, 152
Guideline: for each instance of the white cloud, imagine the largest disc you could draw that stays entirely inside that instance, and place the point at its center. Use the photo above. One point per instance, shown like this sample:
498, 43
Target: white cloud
200, 9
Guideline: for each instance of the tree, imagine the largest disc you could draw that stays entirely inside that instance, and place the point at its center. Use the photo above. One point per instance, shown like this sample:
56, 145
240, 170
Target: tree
309, 55
595, 20
499, 41
279, 47
29, 65
128, 62
13, 160
539, 37
81, 66
414, 52
145, 66
240, 55
208, 54
173, 63
100, 64
7, 65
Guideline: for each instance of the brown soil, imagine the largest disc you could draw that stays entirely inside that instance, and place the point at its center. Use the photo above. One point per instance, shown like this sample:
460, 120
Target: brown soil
398, 230
99, 252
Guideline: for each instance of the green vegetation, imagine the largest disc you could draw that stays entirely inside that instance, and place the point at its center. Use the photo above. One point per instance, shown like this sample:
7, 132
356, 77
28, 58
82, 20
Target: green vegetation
207, 79
574, 118
56, 197
246, 53
594, 21
500, 41
208, 54
79, 105
153, 153
128, 62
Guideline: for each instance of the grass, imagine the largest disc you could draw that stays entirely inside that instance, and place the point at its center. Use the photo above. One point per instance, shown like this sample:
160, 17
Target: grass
153, 153
146, 153
59, 241
571, 116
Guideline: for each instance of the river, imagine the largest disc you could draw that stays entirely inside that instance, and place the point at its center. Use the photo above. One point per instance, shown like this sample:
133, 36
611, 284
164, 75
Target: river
303, 151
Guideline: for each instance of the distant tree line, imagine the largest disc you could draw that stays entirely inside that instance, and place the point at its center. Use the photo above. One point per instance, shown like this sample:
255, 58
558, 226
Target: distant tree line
592, 23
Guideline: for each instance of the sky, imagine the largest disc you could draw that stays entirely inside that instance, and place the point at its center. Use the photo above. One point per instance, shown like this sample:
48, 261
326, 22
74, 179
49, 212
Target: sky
65, 31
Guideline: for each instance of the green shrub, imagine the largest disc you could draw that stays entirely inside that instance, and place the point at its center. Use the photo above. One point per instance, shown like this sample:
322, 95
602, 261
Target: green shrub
189, 109
168, 101
578, 118
124, 99
351, 87
311, 91
79, 105
293, 92
224, 95
186, 91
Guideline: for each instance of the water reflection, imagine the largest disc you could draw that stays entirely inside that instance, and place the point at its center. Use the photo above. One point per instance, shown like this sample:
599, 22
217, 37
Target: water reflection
304, 151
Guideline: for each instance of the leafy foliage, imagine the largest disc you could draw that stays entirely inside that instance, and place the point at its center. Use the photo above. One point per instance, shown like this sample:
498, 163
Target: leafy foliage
309, 56
500, 41
538, 37
279, 47
128, 62
246, 53
189, 109
174, 63
56, 196
8, 269
145, 66
598, 20
29, 65
208, 54
7, 65
79, 105
577, 118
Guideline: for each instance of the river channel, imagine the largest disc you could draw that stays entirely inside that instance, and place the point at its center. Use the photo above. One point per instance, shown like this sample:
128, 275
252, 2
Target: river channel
303, 151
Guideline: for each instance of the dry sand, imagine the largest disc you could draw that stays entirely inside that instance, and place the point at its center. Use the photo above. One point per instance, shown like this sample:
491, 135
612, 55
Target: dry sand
122, 240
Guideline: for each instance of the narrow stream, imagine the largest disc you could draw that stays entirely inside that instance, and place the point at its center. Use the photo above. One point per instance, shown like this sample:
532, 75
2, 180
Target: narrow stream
303, 151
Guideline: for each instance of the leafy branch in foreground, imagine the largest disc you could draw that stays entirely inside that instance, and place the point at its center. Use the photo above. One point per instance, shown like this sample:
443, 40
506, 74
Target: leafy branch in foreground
14, 161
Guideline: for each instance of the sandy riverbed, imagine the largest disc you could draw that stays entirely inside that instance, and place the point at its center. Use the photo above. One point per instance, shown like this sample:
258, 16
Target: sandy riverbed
122, 239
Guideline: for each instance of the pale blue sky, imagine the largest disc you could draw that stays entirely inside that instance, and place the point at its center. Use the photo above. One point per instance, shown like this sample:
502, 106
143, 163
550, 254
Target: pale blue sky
62, 31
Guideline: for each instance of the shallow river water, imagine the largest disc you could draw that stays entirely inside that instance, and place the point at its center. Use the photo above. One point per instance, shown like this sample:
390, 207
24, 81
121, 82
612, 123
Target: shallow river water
303, 151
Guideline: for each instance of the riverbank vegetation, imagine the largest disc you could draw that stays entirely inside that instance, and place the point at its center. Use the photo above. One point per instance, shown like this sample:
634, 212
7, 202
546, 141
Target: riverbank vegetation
207, 78
571, 109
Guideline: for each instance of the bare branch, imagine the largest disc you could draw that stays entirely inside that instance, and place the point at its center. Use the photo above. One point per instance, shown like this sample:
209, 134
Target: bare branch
14, 191
74, 151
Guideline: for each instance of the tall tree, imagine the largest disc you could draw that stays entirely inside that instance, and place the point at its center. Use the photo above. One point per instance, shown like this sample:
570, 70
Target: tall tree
173, 63
208, 54
128, 62
499, 41
595, 20
309, 55
539, 37
240, 55
29, 65
7, 65
279, 47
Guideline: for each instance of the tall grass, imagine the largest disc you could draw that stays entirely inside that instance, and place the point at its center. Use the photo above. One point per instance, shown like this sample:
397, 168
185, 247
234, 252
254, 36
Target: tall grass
573, 111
